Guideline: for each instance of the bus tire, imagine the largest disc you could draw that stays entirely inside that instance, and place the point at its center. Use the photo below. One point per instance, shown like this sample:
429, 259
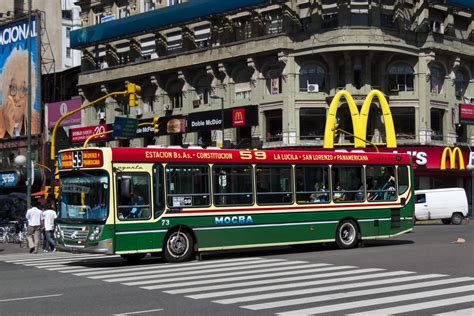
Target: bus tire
178, 246
457, 219
134, 257
347, 234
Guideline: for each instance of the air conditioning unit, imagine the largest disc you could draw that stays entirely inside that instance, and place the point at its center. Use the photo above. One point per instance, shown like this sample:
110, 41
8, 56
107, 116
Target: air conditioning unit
437, 27
196, 103
166, 107
312, 87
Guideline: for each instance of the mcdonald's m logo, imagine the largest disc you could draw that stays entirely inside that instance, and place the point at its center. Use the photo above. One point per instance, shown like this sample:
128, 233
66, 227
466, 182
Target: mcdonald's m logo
452, 158
359, 120
238, 117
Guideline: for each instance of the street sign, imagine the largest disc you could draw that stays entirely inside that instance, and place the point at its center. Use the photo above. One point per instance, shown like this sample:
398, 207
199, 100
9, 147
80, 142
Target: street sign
125, 127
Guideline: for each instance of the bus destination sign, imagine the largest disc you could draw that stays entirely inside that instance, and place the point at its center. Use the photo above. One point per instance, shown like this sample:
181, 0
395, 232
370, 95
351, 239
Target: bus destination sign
80, 159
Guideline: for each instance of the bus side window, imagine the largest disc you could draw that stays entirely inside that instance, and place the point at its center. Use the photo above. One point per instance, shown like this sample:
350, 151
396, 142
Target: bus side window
274, 184
134, 196
402, 172
312, 184
347, 183
158, 190
188, 186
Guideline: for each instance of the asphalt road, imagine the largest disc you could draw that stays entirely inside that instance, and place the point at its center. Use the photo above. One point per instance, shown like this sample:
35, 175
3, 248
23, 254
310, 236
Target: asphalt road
410, 274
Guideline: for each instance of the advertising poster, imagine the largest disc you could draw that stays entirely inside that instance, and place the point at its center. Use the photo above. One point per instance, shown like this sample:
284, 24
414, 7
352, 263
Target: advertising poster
14, 79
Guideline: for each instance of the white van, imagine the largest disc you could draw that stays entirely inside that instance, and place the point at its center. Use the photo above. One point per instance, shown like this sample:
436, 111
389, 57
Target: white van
449, 205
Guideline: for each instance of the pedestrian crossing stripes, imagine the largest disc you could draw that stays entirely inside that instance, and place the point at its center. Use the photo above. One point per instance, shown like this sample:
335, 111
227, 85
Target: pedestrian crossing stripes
277, 286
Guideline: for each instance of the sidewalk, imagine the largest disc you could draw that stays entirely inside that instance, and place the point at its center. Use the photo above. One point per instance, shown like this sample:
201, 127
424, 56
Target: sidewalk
10, 248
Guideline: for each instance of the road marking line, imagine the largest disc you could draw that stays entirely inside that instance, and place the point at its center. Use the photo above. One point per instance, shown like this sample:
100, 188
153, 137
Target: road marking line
251, 298
228, 285
140, 312
378, 301
170, 268
301, 270
29, 298
417, 307
460, 312
117, 277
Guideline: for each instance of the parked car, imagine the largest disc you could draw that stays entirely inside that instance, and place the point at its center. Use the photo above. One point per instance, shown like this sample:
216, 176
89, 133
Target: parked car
449, 205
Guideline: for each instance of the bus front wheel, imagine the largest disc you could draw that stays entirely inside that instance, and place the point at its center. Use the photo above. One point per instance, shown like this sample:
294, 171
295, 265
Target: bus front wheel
178, 246
347, 234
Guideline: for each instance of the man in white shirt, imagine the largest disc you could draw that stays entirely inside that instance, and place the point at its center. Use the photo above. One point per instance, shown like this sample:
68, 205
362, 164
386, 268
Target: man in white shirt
34, 216
49, 215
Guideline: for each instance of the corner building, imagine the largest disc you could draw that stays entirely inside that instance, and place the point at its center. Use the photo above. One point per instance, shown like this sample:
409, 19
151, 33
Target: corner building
270, 69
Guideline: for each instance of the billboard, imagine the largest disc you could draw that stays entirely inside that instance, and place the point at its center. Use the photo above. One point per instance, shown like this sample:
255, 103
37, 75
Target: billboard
466, 113
57, 109
14, 79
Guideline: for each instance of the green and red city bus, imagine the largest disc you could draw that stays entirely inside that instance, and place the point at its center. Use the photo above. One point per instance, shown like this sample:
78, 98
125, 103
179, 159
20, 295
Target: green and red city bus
180, 202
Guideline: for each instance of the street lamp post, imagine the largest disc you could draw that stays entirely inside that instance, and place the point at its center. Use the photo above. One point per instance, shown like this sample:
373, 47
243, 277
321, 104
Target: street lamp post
213, 96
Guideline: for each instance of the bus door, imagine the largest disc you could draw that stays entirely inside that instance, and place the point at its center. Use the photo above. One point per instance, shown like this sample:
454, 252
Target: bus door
133, 212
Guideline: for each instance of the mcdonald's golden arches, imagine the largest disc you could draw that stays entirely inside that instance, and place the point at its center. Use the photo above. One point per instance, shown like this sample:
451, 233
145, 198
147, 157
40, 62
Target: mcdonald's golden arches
359, 120
452, 158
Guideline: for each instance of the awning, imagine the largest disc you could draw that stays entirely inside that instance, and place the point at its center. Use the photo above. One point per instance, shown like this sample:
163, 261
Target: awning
154, 20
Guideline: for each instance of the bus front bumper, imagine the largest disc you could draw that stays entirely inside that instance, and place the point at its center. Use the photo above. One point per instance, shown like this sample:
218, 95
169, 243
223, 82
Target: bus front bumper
101, 247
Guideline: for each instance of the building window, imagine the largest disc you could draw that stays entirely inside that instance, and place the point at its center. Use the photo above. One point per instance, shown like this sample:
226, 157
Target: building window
460, 83
274, 125
203, 90
404, 120
400, 78
98, 17
274, 81
242, 83
68, 32
273, 23
174, 2
176, 95
312, 78
308, 129
242, 29
68, 52
123, 12
437, 79
437, 116
329, 21
174, 42
360, 19
358, 76
386, 20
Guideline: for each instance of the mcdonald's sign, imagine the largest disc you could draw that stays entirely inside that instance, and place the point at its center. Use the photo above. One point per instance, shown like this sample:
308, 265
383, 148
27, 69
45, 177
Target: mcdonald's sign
359, 120
452, 158
238, 117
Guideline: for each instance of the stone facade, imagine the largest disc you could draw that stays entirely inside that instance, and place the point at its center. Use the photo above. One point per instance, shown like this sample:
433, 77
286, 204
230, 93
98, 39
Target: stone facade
290, 58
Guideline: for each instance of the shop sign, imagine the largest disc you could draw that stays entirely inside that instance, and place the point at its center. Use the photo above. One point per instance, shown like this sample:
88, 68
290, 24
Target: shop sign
8, 179
212, 120
238, 117
79, 135
466, 113
57, 109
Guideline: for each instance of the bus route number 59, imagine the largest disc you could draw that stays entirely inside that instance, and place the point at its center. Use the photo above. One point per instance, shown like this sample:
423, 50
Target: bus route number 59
249, 154
77, 159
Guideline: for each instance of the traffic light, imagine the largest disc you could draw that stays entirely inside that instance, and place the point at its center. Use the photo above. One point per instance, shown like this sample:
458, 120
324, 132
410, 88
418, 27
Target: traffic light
156, 125
132, 90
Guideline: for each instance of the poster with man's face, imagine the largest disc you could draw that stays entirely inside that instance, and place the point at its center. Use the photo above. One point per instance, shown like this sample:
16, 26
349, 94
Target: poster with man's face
14, 80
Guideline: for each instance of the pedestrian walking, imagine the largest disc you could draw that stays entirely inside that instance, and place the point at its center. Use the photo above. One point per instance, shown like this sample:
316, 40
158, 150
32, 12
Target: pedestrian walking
49, 215
34, 216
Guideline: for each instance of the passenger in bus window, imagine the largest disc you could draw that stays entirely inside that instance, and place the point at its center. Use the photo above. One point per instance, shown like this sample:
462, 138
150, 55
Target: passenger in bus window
136, 202
359, 196
339, 194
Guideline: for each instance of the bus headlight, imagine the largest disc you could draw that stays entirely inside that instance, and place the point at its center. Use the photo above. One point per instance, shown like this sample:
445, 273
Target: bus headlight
95, 233
58, 233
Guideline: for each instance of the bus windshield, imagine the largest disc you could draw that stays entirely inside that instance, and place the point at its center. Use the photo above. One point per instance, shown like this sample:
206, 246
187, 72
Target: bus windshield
84, 195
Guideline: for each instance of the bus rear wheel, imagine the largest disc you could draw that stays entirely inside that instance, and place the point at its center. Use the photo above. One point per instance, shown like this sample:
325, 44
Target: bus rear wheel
347, 234
178, 247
